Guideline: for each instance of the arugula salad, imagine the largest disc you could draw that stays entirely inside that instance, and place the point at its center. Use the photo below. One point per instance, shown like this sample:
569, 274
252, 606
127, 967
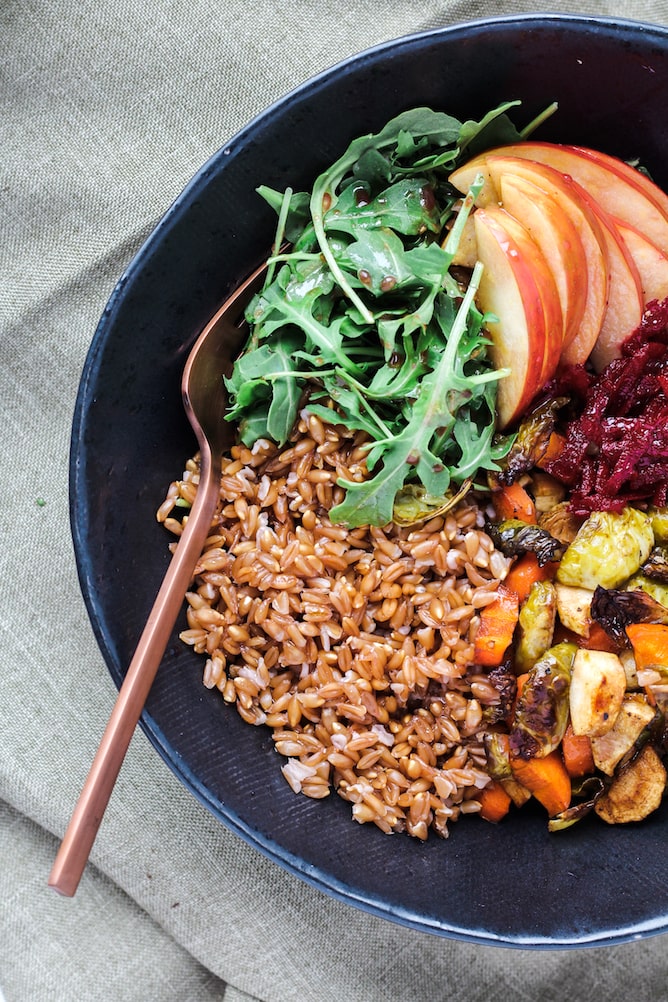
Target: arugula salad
364, 312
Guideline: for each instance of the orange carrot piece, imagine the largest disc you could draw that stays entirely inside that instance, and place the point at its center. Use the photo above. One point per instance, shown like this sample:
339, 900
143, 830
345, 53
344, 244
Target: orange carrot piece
494, 802
547, 779
525, 572
650, 644
513, 501
555, 445
497, 625
577, 753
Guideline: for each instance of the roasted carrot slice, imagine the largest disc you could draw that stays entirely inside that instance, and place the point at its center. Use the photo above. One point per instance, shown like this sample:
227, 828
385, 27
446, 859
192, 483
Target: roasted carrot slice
650, 644
577, 753
513, 501
547, 779
555, 445
525, 572
494, 802
497, 625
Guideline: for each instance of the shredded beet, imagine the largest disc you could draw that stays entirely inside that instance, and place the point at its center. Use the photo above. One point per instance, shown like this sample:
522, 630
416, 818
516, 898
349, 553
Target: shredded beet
616, 450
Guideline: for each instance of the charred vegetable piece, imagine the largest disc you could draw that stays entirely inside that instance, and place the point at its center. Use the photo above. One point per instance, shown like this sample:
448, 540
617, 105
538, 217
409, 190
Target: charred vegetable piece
414, 504
536, 625
592, 789
505, 683
608, 548
656, 565
610, 748
614, 610
497, 752
533, 438
541, 713
598, 684
636, 790
514, 537
561, 523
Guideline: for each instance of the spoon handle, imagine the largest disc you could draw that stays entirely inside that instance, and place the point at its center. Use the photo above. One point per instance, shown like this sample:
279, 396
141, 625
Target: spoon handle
78, 841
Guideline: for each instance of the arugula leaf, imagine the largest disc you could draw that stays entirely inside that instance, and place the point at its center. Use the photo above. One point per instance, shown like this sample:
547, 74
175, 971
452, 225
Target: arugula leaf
407, 206
378, 255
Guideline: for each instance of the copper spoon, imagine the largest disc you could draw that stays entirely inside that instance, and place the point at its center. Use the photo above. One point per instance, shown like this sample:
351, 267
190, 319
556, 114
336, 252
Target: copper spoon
204, 401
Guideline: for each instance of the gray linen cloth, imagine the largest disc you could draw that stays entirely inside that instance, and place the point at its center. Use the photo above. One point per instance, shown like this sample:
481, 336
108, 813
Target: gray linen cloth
107, 111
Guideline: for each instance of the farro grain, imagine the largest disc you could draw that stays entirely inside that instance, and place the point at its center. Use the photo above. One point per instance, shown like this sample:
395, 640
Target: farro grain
354, 647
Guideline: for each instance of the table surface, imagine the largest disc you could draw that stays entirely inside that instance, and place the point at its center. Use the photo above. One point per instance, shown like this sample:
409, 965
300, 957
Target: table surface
107, 112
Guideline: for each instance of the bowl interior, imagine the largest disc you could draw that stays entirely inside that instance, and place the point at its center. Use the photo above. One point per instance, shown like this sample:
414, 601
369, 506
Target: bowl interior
509, 884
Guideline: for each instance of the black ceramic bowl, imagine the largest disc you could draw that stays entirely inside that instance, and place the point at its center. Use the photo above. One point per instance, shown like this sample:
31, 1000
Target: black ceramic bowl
508, 884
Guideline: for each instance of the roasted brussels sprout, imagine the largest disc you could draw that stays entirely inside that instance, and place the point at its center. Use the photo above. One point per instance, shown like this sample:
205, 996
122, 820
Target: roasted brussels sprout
414, 504
658, 590
656, 565
514, 537
659, 517
560, 522
536, 624
532, 440
499, 768
541, 714
608, 548
504, 681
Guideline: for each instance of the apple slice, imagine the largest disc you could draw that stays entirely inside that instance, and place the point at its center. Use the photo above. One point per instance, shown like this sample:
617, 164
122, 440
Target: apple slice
631, 174
557, 237
463, 177
615, 186
652, 265
517, 287
587, 224
625, 296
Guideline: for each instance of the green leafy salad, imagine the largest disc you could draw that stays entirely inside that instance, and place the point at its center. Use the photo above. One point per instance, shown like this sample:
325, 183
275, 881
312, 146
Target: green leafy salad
362, 320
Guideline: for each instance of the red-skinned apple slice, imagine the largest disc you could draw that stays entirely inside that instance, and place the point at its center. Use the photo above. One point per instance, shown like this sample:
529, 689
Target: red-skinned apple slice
652, 265
632, 175
559, 241
610, 182
625, 297
588, 226
518, 288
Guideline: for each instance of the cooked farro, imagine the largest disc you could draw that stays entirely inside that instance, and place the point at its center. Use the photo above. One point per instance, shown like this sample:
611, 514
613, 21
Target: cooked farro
353, 646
